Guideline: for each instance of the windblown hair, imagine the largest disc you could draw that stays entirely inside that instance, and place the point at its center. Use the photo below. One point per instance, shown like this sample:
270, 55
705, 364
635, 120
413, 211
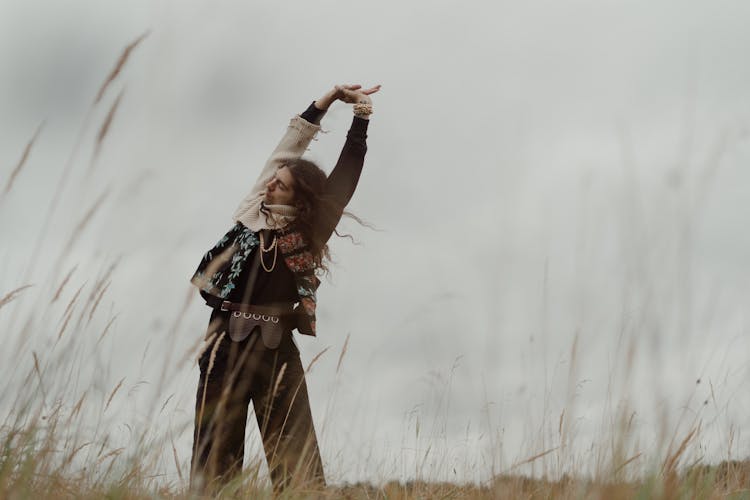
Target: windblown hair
314, 207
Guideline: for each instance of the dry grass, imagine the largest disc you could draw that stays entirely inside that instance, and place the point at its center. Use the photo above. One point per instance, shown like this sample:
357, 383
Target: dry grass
29, 475
22, 161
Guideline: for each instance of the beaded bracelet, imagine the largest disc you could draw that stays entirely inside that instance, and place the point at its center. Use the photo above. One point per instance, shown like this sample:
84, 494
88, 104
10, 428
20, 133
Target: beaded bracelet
362, 109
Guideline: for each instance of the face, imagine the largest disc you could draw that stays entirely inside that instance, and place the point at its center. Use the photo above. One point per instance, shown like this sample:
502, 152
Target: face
280, 189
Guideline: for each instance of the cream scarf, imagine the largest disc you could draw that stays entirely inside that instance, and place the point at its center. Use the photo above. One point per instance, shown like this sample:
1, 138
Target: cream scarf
257, 215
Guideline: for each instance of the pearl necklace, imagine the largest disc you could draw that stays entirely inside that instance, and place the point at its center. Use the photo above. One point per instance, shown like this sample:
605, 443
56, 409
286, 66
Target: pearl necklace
273, 247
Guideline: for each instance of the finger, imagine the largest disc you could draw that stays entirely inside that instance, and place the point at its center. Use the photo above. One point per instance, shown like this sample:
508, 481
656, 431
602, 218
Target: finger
351, 93
354, 92
371, 90
353, 87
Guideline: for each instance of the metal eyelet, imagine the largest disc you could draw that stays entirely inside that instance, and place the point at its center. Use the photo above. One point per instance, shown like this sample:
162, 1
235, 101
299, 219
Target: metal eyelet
266, 318
247, 315
256, 316
274, 319
236, 314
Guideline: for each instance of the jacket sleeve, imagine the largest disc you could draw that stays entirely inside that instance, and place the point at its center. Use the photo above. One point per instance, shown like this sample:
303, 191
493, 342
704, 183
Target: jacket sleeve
344, 178
293, 144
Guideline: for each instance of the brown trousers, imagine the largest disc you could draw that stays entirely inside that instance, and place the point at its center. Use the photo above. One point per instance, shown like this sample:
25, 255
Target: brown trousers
231, 375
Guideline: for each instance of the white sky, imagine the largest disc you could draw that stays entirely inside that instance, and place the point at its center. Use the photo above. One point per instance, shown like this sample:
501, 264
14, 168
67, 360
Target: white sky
547, 177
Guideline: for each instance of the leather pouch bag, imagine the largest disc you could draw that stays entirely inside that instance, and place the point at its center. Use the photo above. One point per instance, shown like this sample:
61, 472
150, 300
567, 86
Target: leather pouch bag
242, 324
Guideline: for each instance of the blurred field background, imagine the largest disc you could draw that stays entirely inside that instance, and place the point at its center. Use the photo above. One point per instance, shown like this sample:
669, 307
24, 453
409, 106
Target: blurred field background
554, 303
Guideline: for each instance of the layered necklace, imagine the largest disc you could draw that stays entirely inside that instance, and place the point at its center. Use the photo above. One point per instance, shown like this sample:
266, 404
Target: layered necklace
263, 250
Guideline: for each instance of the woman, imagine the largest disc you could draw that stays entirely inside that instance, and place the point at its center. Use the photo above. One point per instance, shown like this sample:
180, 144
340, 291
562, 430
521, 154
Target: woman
252, 278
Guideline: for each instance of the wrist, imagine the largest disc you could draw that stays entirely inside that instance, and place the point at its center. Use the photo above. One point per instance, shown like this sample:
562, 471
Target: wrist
325, 102
322, 104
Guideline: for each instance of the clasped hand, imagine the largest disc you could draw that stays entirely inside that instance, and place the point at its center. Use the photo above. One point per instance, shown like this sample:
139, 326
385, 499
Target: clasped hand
354, 93
351, 94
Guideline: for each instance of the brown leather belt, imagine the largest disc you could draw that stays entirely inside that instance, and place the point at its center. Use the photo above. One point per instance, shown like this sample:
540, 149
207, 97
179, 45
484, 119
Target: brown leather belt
256, 310
268, 310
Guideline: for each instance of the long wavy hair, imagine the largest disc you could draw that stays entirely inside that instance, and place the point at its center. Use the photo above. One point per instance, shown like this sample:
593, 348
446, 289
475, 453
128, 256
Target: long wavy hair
313, 205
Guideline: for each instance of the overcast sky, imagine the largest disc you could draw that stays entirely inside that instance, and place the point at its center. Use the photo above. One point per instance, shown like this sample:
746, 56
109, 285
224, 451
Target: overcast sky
560, 191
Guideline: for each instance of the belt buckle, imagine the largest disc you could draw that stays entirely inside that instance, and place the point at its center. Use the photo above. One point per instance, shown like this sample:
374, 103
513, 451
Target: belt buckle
225, 305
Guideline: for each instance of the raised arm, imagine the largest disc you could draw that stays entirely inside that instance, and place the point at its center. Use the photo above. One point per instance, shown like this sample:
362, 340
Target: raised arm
344, 177
300, 132
293, 144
